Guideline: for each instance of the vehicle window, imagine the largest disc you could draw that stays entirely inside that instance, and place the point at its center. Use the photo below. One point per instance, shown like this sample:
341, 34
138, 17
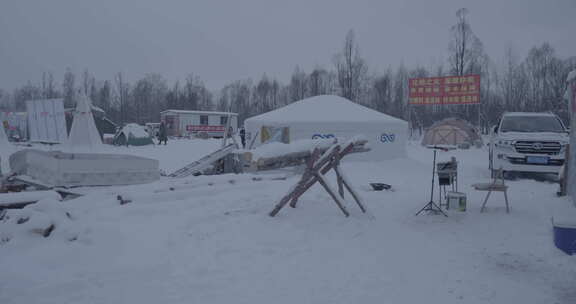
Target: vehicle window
531, 124
223, 120
204, 120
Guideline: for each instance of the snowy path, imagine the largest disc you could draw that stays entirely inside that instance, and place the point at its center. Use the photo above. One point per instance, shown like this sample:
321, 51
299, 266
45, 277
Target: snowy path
216, 244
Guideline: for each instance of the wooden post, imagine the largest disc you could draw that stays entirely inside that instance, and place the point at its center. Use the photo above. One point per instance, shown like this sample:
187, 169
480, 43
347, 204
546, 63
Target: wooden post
338, 175
308, 174
281, 204
352, 192
336, 198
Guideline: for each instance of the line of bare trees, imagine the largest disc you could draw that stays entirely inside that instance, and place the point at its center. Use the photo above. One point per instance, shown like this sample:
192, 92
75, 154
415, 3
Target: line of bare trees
532, 83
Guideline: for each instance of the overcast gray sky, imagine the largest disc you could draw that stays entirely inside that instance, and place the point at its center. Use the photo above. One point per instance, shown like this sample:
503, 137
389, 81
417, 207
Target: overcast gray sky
222, 41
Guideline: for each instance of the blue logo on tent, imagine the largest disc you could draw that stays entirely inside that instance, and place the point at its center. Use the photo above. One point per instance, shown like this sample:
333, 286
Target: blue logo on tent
387, 137
322, 136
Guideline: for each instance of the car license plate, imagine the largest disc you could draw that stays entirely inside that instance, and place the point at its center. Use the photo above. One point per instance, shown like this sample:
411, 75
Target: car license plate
538, 160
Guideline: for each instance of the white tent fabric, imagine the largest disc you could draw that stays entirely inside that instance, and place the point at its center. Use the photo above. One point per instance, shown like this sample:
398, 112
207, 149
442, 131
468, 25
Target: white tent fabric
329, 116
3, 137
83, 132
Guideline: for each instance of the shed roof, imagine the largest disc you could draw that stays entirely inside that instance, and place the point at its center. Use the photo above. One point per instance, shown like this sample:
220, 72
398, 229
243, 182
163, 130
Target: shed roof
199, 112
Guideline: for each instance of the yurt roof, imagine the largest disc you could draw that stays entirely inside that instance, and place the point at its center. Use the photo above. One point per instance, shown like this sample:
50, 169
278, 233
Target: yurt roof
324, 108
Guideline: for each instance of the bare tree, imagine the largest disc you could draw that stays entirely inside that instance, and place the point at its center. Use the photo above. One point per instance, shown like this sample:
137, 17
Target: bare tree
464, 47
86, 82
317, 82
5, 100
68, 89
122, 97
48, 89
26, 92
400, 93
262, 95
298, 85
467, 57
350, 68
104, 96
191, 92
382, 93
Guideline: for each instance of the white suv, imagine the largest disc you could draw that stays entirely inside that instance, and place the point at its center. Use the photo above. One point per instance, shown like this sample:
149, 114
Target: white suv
528, 142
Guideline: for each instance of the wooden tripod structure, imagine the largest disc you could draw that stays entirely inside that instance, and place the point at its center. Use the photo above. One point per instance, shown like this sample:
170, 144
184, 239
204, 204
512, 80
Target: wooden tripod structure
316, 167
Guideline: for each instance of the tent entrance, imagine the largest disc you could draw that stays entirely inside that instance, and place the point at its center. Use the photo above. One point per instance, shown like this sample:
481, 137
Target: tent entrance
269, 134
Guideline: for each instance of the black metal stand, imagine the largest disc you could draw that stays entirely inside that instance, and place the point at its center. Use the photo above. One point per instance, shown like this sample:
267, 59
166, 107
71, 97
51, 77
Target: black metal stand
431, 206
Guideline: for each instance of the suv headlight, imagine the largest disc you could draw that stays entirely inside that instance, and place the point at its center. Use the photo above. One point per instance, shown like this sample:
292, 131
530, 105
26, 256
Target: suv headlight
505, 143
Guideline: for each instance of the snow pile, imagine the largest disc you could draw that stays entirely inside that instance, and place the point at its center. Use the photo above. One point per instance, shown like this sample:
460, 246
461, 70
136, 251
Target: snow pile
28, 196
46, 218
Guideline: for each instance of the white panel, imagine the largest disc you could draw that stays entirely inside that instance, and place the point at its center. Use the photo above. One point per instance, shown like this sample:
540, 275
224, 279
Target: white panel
214, 120
46, 120
60, 119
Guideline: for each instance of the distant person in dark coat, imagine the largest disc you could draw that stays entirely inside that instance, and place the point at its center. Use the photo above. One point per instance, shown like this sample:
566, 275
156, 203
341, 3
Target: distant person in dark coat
243, 137
162, 134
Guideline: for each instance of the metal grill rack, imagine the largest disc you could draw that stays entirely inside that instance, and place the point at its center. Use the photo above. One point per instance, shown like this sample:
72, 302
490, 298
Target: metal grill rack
447, 178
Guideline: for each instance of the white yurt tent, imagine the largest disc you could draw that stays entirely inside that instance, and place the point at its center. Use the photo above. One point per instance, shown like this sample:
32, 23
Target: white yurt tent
329, 116
83, 133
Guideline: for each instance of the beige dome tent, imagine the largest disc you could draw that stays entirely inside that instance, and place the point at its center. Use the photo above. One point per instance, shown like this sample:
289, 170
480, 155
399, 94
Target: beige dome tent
452, 131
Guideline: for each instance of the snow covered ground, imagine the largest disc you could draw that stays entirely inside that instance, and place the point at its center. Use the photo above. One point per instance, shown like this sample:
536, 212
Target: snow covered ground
211, 241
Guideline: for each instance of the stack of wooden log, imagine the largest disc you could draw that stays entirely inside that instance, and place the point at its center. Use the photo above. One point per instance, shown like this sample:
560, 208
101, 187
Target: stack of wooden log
297, 158
318, 164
